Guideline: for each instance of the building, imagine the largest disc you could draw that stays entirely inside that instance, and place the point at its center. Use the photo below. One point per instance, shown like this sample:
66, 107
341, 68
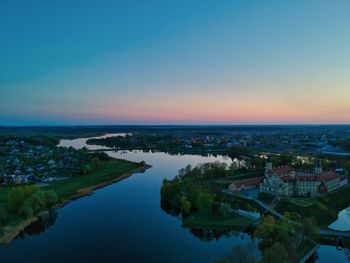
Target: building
245, 184
285, 180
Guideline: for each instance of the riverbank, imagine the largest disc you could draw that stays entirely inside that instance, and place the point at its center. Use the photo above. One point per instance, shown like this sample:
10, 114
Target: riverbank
109, 173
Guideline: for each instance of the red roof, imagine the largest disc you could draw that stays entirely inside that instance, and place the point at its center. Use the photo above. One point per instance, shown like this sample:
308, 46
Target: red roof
281, 170
329, 176
246, 182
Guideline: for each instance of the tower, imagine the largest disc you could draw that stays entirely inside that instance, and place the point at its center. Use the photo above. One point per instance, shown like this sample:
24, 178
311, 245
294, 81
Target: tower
268, 166
318, 167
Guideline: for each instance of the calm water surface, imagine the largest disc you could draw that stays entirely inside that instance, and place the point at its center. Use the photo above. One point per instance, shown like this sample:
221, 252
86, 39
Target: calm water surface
121, 223
343, 221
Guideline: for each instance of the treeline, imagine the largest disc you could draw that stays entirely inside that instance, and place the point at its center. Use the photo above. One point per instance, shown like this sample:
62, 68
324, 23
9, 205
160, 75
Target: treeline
26, 201
137, 141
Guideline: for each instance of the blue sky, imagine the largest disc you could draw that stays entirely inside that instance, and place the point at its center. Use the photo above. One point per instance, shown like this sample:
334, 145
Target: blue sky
170, 62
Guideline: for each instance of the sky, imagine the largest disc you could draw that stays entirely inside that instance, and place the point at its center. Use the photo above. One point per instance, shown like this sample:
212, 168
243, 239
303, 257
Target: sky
174, 62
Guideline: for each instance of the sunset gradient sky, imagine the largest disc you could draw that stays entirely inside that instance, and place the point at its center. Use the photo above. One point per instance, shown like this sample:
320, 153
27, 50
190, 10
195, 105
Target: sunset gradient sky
174, 62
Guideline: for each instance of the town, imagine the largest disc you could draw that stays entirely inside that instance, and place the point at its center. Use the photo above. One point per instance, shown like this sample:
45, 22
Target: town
302, 140
26, 161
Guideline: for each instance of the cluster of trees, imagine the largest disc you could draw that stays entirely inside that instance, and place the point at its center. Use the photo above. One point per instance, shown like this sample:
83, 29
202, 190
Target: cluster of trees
26, 201
280, 240
195, 199
205, 171
193, 190
94, 162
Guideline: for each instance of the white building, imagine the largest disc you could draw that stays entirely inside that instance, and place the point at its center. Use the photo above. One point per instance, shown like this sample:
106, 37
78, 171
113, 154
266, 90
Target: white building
285, 180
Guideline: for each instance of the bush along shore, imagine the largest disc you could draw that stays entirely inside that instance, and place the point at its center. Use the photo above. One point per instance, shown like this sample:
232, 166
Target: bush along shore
21, 206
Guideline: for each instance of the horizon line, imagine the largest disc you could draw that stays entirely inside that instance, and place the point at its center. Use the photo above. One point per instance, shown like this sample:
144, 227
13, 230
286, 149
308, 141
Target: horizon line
171, 125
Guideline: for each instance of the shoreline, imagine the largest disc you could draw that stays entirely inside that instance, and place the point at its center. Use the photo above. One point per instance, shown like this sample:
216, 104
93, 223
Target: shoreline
10, 233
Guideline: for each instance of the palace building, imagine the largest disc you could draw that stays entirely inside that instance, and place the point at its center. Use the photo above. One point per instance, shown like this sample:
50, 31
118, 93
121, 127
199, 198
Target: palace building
285, 180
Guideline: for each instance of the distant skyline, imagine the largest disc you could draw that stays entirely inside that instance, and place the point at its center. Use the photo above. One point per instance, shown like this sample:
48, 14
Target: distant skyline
174, 62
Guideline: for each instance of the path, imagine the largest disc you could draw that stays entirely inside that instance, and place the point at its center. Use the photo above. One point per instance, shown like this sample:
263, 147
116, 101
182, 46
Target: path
271, 210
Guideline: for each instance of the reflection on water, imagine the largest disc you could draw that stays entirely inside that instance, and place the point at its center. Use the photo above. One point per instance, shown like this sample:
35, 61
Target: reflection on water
328, 254
38, 227
343, 221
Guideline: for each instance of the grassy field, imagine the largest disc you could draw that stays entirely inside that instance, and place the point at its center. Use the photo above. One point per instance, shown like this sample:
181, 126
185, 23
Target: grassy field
232, 222
324, 208
108, 171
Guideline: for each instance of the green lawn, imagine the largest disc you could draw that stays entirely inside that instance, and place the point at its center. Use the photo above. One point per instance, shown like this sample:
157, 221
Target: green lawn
233, 221
108, 171
4, 190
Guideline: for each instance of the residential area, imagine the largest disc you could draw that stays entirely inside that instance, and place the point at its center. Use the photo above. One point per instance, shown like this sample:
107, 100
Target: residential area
24, 161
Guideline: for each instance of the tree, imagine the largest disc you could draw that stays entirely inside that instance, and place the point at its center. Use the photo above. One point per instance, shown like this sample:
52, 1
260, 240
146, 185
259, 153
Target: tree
205, 202
50, 198
37, 202
95, 163
276, 254
18, 195
225, 209
3, 216
170, 190
266, 231
26, 210
185, 205
309, 227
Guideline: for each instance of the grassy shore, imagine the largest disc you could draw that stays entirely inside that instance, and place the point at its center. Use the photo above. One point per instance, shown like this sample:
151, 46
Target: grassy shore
109, 172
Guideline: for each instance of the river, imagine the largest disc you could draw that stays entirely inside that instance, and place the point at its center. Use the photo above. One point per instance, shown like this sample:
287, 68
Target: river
124, 222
